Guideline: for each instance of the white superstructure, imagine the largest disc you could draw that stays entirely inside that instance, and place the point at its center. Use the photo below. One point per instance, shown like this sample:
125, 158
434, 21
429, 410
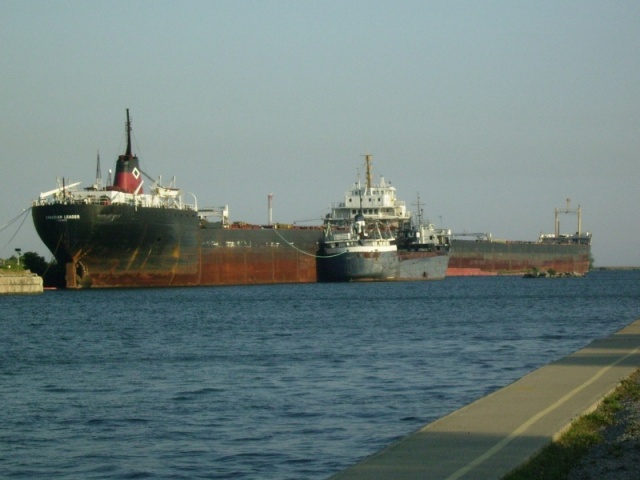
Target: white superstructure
374, 201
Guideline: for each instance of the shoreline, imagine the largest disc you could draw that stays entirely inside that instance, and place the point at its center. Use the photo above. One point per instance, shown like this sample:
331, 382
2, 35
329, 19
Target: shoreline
490, 444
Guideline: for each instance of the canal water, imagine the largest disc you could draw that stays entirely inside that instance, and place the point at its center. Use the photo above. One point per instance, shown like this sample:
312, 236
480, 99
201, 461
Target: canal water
272, 382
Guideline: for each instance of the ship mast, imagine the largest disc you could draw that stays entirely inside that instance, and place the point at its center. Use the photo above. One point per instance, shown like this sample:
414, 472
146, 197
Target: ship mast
98, 173
367, 159
577, 211
128, 127
420, 211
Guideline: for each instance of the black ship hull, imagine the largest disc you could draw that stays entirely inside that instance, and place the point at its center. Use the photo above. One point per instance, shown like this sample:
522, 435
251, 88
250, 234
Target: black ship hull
125, 246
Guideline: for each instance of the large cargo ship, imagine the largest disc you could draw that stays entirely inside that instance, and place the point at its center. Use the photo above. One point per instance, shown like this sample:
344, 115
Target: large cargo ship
479, 254
118, 236
371, 236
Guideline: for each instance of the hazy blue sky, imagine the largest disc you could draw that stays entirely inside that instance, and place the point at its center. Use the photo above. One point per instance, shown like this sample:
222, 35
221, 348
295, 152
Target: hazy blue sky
494, 112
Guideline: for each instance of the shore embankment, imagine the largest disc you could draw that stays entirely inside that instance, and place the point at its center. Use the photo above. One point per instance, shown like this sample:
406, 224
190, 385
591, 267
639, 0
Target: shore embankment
25, 283
616, 456
601, 445
493, 435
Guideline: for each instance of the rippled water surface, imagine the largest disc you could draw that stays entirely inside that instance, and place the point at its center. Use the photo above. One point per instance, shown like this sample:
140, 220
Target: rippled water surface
288, 381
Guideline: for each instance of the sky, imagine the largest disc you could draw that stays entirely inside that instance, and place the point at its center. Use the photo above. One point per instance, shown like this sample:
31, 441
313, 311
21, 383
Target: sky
493, 112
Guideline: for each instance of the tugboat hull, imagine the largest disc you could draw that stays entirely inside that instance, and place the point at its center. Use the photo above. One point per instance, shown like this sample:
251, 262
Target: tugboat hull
361, 266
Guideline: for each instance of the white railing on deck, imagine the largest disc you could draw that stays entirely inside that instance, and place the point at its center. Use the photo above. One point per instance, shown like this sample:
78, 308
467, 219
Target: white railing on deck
106, 197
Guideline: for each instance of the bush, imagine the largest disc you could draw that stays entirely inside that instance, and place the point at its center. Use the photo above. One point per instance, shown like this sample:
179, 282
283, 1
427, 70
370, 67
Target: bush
34, 262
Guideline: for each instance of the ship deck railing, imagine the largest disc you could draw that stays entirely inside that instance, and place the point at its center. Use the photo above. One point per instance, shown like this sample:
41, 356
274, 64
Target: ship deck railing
381, 204
389, 218
140, 201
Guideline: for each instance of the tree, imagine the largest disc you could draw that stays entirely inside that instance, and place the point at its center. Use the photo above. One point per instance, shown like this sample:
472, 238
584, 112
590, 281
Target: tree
34, 262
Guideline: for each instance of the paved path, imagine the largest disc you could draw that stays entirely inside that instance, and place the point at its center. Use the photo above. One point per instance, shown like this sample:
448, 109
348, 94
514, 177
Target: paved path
493, 435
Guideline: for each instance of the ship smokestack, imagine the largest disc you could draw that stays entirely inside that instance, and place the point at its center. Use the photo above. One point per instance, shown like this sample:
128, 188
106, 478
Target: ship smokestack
128, 176
270, 209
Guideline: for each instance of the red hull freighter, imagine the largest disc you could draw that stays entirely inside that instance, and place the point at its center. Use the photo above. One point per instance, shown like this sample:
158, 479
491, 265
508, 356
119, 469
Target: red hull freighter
480, 254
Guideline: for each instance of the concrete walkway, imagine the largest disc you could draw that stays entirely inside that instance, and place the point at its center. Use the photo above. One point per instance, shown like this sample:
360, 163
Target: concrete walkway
493, 435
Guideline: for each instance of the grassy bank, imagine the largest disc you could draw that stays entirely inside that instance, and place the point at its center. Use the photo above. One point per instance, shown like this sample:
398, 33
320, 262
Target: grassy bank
557, 459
